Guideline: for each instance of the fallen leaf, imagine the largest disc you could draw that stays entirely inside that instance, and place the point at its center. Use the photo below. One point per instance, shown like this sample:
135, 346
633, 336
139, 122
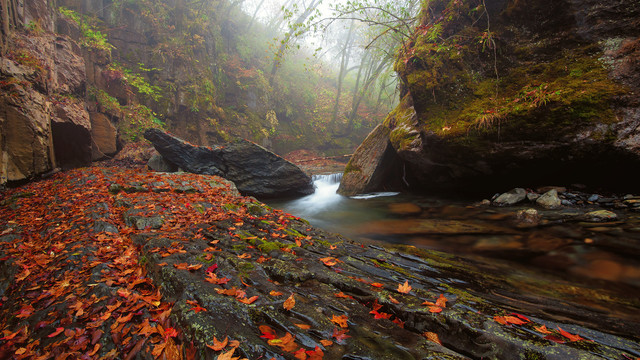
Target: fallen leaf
432, 337
267, 332
435, 309
244, 256
329, 261
543, 329
442, 301
289, 303
340, 320
218, 345
340, 335
378, 285
227, 355
303, 326
275, 293
569, 336
404, 288
343, 295
393, 300
55, 333
326, 342
249, 301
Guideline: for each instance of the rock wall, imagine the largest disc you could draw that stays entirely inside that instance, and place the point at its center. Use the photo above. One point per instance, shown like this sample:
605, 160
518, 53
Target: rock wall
522, 93
44, 119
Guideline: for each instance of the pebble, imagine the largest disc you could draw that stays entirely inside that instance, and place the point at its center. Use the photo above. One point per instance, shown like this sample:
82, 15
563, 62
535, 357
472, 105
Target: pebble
529, 216
593, 197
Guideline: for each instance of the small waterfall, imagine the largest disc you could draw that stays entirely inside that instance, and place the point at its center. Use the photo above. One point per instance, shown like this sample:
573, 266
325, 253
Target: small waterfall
324, 196
327, 179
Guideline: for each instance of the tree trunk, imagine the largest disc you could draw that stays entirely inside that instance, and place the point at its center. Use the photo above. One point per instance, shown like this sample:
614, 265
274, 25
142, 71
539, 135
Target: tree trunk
346, 52
255, 15
277, 61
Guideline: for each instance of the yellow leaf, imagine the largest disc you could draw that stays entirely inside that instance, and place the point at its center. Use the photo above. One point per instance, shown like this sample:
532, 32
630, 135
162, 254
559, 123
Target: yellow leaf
404, 288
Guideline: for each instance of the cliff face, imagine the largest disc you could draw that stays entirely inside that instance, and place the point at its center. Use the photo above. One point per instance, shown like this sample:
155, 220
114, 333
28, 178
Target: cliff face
521, 92
43, 119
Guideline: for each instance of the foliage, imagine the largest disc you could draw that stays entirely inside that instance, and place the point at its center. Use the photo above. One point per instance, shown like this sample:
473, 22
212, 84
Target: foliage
135, 118
135, 80
91, 36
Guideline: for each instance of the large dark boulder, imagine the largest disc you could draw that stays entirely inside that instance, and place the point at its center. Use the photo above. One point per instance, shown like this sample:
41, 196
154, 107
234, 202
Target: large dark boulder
548, 96
255, 170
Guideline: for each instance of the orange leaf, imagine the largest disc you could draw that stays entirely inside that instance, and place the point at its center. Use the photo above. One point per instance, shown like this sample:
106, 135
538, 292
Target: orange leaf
218, 345
343, 295
194, 267
262, 259
300, 354
55, 333
124, 319
289, 303
303, 326
227, 355
442, 301
404, 288
508, 320
569, 336
542, 329
393, 300
326, 342
275, 293
250, 300
340, 320
244, 256
435, 309
378, 285
267, 332
181, 266
329, 261
433, 337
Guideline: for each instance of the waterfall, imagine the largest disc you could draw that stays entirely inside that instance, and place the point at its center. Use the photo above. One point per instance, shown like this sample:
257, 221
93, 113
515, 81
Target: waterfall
327, 179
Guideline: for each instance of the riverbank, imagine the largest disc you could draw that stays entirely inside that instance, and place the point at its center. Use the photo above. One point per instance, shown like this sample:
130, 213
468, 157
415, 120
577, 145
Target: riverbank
117, 263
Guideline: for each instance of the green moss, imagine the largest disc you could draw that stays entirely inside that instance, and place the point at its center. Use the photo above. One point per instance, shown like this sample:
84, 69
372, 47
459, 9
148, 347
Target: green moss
239, 247
203, 259
269, 246
351, 167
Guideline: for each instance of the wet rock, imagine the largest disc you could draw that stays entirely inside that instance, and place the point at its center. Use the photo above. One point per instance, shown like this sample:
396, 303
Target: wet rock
593, 198
600, 216
532, 196
158, 163
528, 216
255, 170
103, 136
371, 163
511, 197
549, 200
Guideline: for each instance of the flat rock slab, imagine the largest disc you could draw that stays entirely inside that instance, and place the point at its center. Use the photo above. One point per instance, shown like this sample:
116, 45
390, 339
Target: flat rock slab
221, 266
255, 170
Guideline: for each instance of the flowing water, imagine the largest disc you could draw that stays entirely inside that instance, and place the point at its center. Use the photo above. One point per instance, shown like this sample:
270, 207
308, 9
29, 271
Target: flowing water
606, 255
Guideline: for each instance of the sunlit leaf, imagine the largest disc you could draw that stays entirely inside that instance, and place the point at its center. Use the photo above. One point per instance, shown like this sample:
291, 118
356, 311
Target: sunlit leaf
340, 320
218, 345
404, 288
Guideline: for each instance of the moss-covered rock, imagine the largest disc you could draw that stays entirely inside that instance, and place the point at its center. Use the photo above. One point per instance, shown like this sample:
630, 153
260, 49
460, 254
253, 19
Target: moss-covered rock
492, 98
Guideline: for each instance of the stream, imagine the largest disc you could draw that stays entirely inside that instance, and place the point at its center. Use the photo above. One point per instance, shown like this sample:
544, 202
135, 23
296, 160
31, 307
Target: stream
602, 256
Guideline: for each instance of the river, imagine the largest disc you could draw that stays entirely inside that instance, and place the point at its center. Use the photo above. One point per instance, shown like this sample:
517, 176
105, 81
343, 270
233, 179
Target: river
602, 255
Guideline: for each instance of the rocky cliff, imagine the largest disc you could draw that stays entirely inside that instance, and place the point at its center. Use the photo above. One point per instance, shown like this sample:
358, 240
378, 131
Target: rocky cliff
516, 93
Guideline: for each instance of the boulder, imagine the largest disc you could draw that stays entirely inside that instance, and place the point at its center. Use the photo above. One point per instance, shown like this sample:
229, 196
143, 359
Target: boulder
158, 163
103, 136
511, 197
549, 200
255, 170
568, 109
374, 161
